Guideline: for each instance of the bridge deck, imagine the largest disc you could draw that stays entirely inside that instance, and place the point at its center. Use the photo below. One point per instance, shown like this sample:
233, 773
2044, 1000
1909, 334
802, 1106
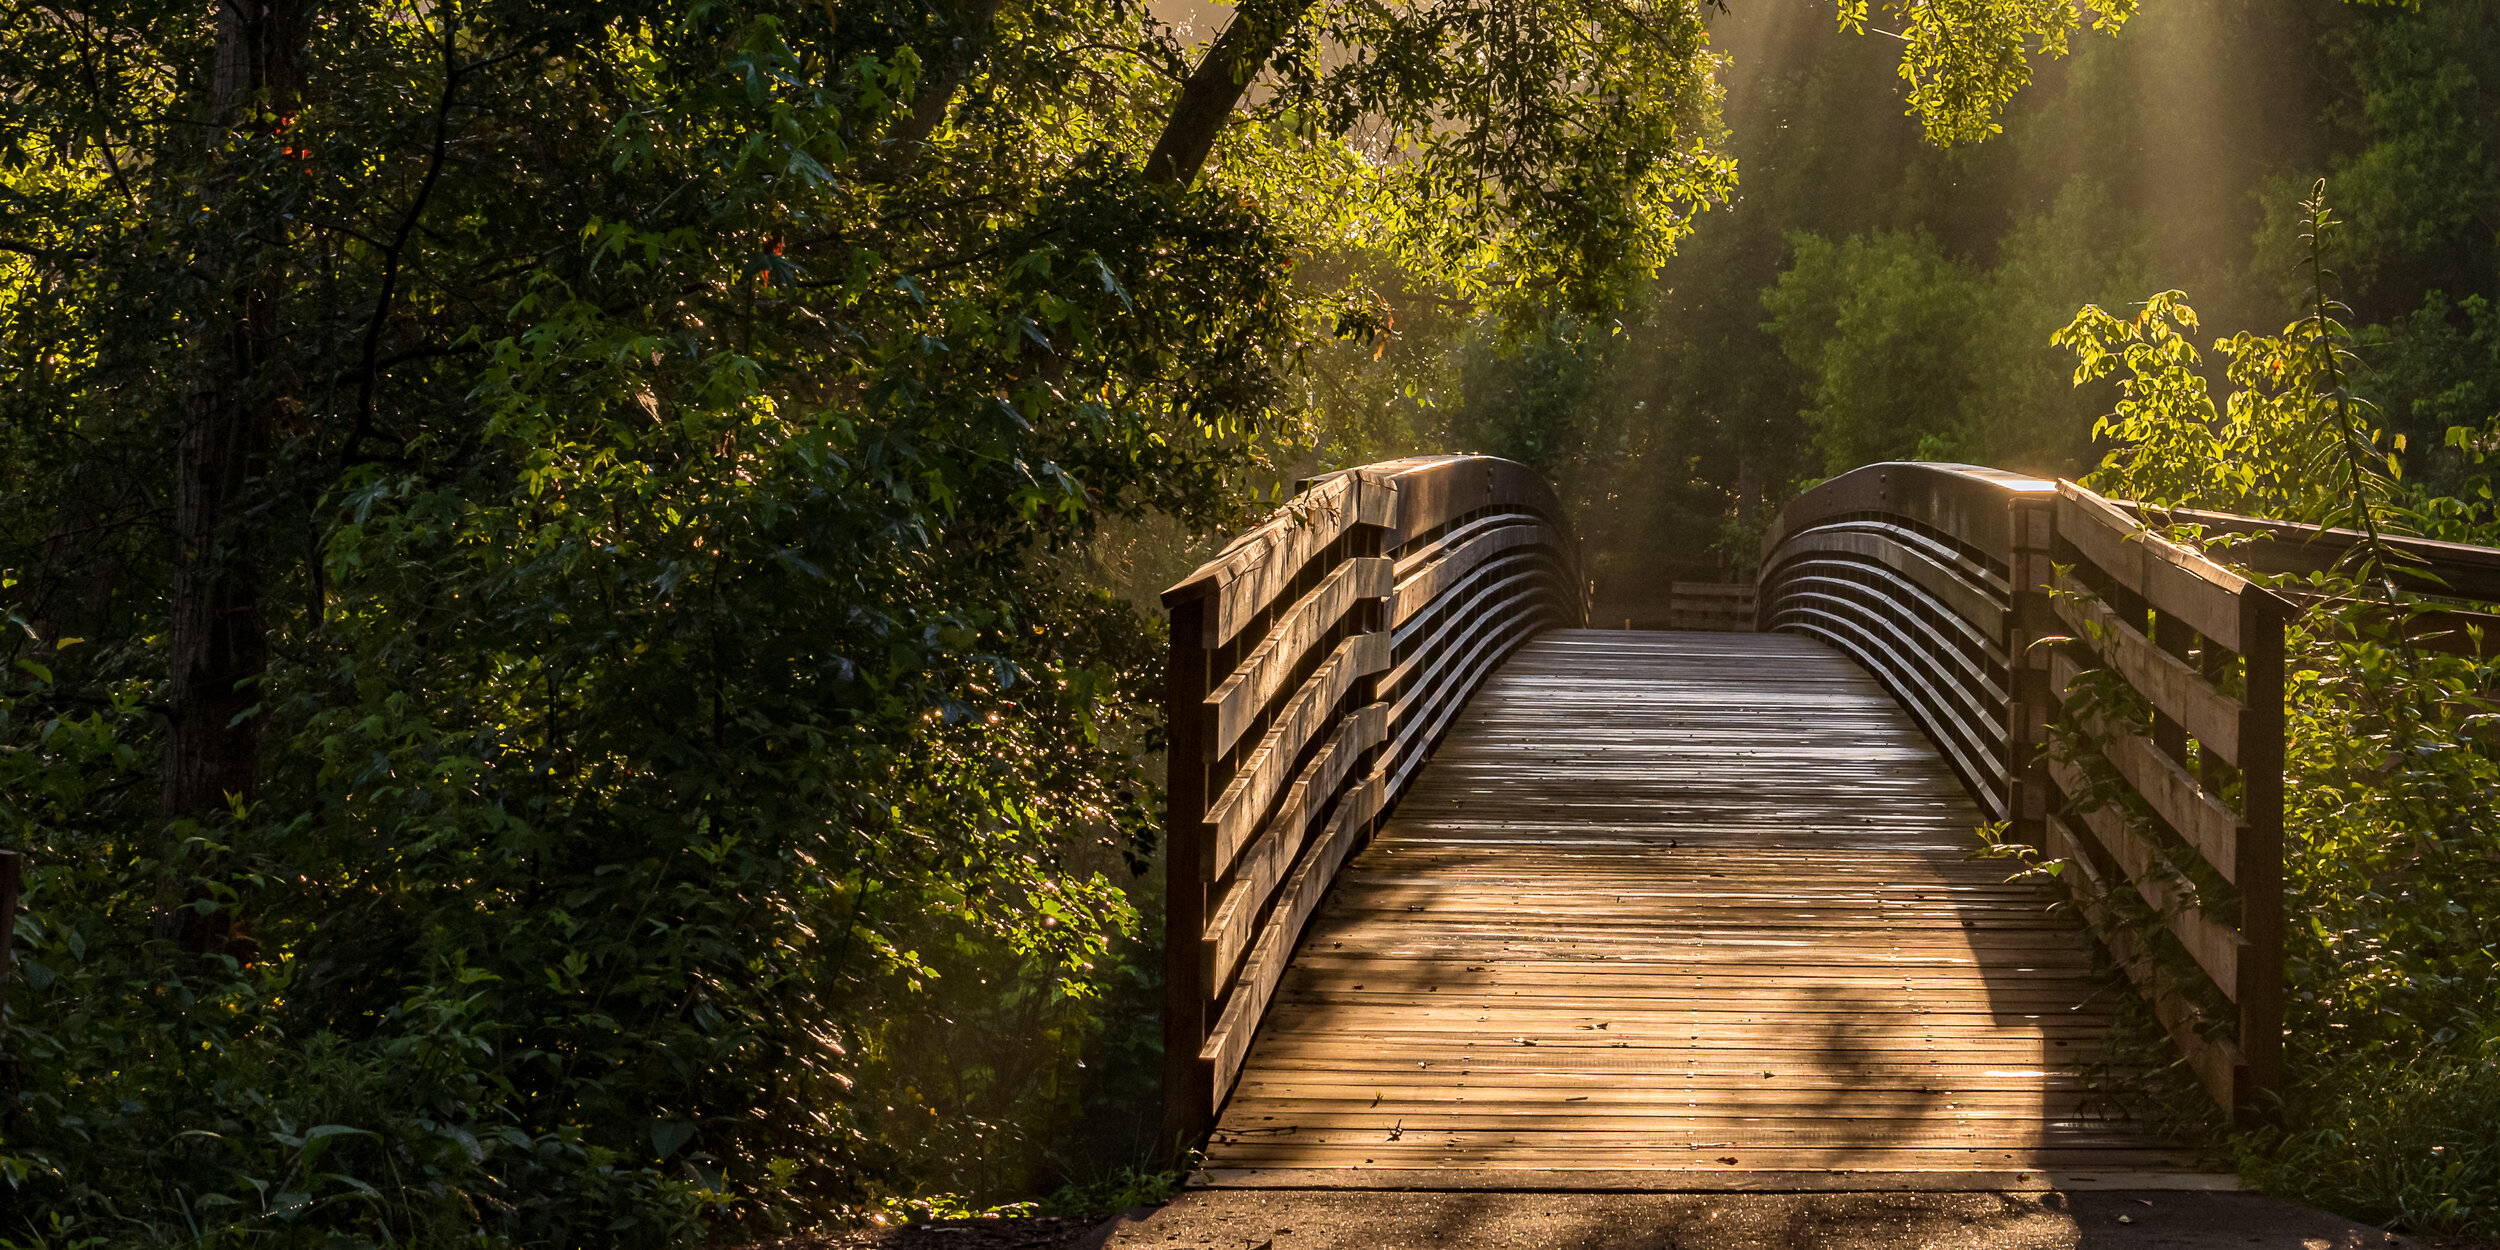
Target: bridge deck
1692, 903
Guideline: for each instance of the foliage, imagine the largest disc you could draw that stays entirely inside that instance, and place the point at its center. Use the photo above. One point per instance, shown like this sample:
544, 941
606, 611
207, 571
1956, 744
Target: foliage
557, 688
2391, 771
1911, 354
694, 785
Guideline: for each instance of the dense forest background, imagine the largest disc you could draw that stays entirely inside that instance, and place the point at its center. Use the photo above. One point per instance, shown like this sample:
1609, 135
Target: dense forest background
1869, 295
581, 661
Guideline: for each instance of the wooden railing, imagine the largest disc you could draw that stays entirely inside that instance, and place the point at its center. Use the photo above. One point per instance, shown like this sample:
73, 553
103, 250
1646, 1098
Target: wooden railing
1315, 662
1724, 606
1944, 581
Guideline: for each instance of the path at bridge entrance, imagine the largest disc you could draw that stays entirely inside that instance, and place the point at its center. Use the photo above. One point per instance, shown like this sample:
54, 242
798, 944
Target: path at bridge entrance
1685, 911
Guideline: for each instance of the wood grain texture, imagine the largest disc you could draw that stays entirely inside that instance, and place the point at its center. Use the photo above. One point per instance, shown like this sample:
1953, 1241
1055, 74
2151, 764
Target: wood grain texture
1273, 851
2170, 684
2171, 578
1434, 574
1683, 903
1240, 811
2201, 819
2215, 946
1263, 673
1257, 568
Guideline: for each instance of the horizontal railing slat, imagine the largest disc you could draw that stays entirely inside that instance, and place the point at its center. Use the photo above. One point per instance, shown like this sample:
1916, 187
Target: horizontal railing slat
2170, 577
2200, 819
1229, 1042
2170, 684
1255, 684
1263, 865
2214, 946
1251, 573
1237, 813
2215, 1063
1417, 591
1953, 586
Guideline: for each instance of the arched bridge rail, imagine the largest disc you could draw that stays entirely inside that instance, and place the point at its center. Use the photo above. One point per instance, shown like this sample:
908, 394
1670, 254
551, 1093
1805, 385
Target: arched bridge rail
1995, 606
1315, 662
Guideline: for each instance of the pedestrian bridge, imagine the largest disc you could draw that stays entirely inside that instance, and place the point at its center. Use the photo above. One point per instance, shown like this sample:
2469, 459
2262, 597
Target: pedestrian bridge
1463, 894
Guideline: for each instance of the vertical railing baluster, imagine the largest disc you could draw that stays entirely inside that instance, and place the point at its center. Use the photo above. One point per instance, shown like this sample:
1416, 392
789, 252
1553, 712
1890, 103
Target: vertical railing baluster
2173, 636
2031, 524
1188, 1083
2260, 859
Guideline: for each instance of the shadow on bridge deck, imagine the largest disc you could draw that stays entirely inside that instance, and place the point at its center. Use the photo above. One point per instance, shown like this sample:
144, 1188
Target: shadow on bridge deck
1698, 904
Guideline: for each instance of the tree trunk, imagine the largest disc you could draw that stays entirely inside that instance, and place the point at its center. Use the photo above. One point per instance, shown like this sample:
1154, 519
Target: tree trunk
947, 70
1215, 88
217, 649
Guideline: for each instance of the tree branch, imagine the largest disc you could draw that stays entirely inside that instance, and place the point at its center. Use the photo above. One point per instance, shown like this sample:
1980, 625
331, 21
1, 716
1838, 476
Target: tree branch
1215, 88
369, 375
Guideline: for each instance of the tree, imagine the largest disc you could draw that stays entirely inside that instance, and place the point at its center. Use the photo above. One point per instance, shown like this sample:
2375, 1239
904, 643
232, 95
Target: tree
553, 694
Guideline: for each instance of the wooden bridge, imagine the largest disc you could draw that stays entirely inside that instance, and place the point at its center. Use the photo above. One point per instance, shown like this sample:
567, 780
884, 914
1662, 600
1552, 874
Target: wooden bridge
1462, 894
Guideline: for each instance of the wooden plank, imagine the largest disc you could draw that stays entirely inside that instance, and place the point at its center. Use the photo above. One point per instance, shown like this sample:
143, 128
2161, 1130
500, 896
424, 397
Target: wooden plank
2194, 813
1721, 1180
1264, 864
1963, 590
2216, 1064
1965, 501
1256, 569
2215, 946
1432, 491
2167, 682
1229, 1042
1696, 1149
1981, 764
1418, 590
2425, 565
1641, 871
1262, 675
2171, 578
1242, 808
1418, 718
1451, 655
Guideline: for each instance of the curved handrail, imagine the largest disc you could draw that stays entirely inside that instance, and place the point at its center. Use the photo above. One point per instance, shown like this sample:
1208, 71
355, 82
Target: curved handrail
1982, 599
1316, 660
1904, 566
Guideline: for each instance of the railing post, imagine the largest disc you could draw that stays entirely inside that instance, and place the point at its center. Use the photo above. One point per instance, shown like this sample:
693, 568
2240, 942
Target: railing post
2260, 859
1188, 1083
2031, 521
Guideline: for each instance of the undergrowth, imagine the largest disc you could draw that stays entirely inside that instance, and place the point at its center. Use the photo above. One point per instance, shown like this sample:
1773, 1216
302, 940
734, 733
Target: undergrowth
2390, 1110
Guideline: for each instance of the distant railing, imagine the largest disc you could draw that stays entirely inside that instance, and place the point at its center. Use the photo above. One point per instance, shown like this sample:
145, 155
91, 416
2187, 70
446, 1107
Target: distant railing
1945, 580
1722, 606
1315, 662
